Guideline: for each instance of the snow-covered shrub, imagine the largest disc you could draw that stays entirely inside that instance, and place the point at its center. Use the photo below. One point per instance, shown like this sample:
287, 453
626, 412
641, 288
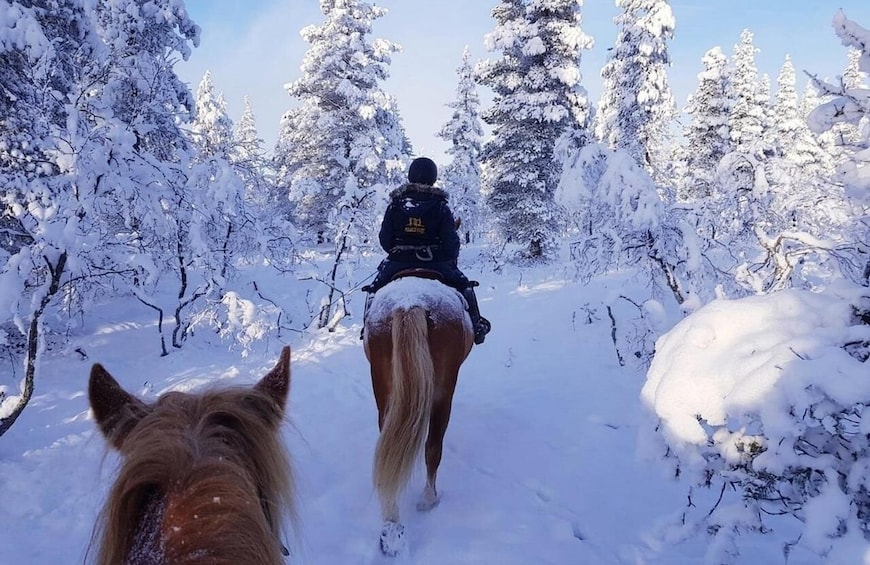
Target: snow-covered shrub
619, 223
614, 209
240, 321
765, 400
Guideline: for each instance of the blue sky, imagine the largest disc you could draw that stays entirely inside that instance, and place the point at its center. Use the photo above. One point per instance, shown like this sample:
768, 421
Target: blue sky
253, 47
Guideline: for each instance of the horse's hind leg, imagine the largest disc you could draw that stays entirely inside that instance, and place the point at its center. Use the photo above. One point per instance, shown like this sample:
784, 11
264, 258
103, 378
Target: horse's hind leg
438, 421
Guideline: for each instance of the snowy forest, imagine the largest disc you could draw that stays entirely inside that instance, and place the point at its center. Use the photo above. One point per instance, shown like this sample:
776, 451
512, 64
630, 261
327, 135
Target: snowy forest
120, 183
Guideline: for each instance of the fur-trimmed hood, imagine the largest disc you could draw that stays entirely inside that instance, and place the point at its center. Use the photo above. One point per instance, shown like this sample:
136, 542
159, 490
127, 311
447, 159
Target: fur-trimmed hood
415, 187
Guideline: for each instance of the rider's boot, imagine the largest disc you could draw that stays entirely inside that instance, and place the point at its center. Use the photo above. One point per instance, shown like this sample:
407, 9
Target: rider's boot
481, 325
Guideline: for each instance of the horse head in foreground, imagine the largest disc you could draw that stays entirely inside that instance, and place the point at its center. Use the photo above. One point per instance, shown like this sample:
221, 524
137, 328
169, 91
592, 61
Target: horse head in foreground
417, 334
204, 478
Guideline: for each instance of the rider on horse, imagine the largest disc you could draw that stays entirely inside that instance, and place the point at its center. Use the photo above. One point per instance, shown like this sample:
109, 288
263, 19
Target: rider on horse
418, 231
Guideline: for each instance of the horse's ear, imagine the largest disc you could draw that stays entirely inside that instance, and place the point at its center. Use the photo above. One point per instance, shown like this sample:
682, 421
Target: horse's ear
276, 384
115, 410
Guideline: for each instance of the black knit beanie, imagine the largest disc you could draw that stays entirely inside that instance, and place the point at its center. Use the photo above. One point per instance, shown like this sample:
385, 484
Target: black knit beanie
423, 171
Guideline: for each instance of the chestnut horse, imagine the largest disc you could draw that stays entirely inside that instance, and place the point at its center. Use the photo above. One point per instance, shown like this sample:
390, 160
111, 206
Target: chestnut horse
417, 334
204, 478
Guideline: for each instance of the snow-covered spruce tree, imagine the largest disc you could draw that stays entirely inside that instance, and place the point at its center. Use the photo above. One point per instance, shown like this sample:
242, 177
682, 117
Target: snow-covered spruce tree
742, 190
851, 106
637, 109
461, 177
747, 116
346, 141
798, 237
345, 124
554, 75
841, 139
765, 103
222, 232
149, 209
538, 99
802, 195
708, 136
620, 223
739, 202
503, 155
269, 209
249, 159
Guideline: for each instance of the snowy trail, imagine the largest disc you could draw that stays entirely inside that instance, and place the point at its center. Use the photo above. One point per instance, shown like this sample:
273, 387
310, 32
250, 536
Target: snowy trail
536, 431
539, 463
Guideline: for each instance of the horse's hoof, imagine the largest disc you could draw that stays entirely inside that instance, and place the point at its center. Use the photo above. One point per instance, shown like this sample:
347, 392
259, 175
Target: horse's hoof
428, 502
392, 538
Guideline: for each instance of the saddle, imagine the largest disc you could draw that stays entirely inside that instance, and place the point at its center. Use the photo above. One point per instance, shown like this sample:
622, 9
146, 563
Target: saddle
419, 272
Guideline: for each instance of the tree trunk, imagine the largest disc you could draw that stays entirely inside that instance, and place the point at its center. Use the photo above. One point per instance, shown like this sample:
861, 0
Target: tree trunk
33, 334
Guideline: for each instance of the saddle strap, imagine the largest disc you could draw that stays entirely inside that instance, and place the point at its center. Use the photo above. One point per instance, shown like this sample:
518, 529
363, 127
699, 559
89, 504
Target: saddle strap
423, 253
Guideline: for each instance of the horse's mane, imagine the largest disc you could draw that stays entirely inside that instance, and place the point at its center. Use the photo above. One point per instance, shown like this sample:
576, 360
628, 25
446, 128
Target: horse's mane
191, 469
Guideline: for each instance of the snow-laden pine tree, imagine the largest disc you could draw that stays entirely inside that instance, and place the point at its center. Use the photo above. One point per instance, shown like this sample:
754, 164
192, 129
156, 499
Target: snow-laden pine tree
841, 139
637, 109
556, 49
345, 125
747, 116
461, 177
344, 145
249, 159
740, 202
269, 209
538, 99
812, 98
222, 231
802, 197
851, 106
765, 102
708, 134
212, 128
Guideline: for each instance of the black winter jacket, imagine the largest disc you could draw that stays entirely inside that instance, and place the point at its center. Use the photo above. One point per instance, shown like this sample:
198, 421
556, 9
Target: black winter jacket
418, 215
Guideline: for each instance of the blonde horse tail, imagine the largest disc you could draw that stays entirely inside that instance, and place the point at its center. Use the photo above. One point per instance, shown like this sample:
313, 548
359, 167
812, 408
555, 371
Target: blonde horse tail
407, 414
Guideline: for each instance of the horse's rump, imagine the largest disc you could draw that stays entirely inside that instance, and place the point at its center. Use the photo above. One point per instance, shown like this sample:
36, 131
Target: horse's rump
417, 334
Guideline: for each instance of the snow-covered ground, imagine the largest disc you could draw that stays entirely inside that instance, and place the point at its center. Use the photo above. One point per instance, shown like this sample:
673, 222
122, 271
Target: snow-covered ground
540, 462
